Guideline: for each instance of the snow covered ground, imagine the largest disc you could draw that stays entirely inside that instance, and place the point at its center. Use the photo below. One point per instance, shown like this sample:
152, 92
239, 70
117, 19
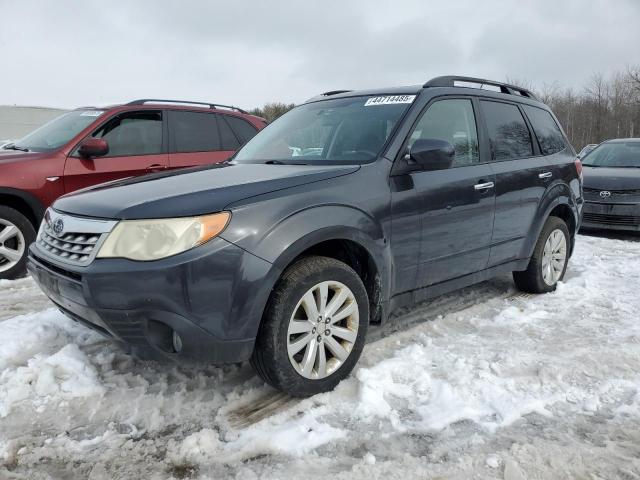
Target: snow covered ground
483, 383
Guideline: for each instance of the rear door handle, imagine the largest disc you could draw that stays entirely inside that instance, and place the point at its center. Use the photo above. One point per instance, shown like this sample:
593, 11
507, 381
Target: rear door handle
156, 167
484, 186
545, 175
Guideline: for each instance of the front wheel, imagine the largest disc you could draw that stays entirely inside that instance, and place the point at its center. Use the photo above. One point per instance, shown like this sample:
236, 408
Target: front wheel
16, 234
548, 263
314, 327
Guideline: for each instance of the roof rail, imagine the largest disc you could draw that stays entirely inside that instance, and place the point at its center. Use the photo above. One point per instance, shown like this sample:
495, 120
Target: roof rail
450, 80
334, 92
142, 101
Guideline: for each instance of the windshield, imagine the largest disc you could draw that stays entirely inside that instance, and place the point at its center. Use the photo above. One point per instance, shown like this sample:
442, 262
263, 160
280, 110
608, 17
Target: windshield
345, 130
57, 132
623, 155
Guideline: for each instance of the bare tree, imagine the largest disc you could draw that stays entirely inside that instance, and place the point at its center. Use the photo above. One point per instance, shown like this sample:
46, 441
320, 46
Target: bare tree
271, 111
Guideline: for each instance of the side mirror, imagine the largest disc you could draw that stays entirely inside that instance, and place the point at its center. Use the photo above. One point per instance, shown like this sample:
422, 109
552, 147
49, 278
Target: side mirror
93, 147
431, 154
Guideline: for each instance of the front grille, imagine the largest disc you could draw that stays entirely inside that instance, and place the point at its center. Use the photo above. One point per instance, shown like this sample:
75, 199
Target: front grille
76, 247
70, 239
596, 191
606, 219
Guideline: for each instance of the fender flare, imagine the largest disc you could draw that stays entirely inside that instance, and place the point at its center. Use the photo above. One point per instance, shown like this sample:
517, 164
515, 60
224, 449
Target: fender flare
556, 194
310, 227
35, 205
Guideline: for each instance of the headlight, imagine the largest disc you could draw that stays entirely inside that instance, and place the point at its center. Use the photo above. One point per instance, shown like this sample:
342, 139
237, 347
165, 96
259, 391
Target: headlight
155, 239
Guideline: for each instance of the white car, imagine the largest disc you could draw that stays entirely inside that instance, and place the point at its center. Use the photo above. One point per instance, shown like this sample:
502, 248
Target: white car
586, 149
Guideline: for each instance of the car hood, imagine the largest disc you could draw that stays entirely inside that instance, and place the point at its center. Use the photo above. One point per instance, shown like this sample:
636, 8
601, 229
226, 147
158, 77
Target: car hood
605, 178
191, 192
15, 156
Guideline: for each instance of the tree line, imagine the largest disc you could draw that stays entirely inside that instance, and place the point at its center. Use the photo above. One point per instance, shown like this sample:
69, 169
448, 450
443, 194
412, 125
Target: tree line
271, 111
604, 107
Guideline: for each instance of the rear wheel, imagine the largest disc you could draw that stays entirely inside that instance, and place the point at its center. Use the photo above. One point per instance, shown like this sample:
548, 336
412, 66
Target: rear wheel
314, 327
548, 263
16, 234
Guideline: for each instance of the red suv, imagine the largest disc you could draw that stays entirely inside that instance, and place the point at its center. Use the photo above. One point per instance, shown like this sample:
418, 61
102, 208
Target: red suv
93, 145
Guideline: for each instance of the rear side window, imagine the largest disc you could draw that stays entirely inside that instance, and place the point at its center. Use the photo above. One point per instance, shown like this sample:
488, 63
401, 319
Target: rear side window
136, 133
193, 132
546, 129
243, 129
508, 133
227, 137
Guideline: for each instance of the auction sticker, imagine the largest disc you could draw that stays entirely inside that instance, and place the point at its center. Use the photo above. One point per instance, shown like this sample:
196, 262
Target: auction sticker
91, 113
389, 100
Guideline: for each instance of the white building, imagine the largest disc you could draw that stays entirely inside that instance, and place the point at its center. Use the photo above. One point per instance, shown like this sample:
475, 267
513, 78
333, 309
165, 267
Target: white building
16, 122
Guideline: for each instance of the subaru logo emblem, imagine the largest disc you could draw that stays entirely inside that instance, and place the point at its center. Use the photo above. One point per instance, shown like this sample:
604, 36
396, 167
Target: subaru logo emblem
605, 194
58, 226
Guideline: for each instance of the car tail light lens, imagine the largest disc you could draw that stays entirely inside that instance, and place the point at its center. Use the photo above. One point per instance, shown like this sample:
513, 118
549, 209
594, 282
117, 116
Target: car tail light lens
578, 165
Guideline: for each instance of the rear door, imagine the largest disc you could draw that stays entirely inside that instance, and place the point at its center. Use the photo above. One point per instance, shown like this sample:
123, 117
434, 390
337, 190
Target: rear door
456, 204
519, 186
199, 138
136, 146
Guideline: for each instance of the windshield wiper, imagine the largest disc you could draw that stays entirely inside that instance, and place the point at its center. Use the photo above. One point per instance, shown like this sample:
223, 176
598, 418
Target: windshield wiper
13, 146
279, 162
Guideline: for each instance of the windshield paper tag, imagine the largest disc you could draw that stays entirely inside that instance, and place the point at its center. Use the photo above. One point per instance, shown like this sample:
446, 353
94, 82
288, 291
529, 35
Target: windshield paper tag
92, 113
389, 100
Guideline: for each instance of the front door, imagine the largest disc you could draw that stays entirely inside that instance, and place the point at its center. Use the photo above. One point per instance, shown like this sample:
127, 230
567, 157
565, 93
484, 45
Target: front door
457, 204
136, 147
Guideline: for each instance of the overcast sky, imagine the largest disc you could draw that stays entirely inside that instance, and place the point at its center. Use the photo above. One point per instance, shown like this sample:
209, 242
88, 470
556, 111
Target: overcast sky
67, 54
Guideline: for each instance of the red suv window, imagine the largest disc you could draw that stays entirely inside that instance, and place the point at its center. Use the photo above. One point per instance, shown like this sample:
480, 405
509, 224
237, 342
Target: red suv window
136, 133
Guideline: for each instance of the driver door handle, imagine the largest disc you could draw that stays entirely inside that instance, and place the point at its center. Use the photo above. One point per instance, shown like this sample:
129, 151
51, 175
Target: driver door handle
484, 186
156, 167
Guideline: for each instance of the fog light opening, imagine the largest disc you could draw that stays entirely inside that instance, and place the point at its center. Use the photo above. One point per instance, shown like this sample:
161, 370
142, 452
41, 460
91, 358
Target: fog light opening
177, 342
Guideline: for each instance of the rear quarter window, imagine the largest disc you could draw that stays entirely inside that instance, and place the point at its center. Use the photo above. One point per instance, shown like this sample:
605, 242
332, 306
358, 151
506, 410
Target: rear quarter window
508, 132
546, 130
243, 129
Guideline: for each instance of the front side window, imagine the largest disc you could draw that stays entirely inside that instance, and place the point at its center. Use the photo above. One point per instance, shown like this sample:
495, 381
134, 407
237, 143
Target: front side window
137, 133
618, 154
194, 132
508, 132
452, 121
59, 131
546, 129
344, 130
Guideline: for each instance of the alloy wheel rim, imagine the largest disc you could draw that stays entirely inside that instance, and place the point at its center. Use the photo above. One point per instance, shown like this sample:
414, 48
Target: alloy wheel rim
554, 257
12, 245
322, 330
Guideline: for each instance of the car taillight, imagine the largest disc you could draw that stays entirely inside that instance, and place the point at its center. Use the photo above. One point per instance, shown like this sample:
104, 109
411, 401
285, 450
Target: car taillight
578, 165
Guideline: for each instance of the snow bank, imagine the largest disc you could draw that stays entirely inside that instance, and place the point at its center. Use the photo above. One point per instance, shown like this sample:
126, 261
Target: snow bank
441, 398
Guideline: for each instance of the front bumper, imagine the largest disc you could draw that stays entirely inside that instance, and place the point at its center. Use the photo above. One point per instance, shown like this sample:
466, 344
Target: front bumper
611, 216
199, 294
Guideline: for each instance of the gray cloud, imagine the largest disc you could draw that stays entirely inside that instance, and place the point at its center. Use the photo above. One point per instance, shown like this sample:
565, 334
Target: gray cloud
64, 53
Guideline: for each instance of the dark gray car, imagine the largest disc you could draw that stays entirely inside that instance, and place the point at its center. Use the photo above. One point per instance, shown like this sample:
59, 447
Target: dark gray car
612, 186
344, 210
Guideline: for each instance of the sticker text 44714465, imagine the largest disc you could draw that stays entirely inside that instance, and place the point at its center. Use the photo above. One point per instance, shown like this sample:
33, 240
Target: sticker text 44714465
389, 100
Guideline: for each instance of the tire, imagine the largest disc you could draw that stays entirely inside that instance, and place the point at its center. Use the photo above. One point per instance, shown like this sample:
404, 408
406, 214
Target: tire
281, 333
16, 234
535, 279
